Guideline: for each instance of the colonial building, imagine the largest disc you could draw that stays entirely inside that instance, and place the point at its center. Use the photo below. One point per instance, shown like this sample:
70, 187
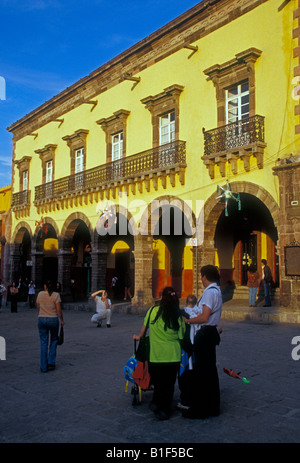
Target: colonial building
5, 202
179, 152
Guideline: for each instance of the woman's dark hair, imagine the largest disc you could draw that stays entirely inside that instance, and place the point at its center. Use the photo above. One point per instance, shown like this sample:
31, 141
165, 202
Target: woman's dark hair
169, 309
252, 268
49, 286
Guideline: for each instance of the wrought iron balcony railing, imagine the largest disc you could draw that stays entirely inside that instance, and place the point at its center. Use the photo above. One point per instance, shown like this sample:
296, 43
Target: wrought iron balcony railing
21, 199
242, 139
234, 135
156, 160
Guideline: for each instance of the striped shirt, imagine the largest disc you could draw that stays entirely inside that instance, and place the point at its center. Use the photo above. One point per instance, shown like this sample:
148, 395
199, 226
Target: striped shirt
47, 304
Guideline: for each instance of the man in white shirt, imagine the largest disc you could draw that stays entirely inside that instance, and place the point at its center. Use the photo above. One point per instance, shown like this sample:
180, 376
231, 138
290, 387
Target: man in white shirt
205, 400
103, 308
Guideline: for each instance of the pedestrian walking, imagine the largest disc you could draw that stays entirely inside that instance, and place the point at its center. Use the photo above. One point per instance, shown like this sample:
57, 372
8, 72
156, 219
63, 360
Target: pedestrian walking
48, 303
31, 294
14, 296
2, 292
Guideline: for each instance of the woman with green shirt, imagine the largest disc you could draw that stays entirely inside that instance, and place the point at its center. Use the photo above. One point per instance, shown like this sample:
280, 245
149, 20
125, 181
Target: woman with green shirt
166, 330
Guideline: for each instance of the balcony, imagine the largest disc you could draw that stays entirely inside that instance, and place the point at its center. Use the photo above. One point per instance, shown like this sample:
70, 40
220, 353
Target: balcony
129, 172
20, 203
238, 140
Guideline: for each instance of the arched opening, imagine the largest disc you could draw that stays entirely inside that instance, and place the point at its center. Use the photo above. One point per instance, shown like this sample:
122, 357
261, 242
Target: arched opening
172, 252
46, 245
243, 237
21, 272
81, 260
120, 258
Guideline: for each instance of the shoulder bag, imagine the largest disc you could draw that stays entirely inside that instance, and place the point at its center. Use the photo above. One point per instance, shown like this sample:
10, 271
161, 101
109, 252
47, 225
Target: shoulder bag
143, 351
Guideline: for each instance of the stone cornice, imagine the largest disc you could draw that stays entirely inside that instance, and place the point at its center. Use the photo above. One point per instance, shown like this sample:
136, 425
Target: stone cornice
197, 22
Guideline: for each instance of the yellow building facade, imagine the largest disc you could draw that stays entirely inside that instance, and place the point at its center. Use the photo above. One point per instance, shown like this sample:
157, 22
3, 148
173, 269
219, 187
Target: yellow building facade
162, 160
5, 202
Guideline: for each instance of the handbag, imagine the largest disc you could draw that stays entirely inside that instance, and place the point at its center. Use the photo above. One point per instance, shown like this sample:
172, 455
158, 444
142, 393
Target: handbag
143, 351
60, 339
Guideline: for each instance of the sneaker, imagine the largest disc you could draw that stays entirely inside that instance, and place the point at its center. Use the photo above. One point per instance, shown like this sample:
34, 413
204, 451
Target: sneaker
108, 325
51, 367
182, 406
99, 325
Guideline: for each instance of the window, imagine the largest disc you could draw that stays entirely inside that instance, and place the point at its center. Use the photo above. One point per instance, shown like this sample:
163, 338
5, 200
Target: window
237, 102
25, 180
49, 177
164, 109
79, 166
79, 157
49, 171
167, 128
117, 146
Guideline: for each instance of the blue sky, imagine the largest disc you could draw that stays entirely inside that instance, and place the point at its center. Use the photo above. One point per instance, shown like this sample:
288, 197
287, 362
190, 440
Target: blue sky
47, 45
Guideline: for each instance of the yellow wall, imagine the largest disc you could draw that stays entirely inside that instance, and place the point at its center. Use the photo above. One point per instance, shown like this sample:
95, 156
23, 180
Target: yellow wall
5, 198
264, 28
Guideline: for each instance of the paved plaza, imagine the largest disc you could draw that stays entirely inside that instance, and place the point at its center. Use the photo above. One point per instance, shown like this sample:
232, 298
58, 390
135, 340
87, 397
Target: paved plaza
84, 399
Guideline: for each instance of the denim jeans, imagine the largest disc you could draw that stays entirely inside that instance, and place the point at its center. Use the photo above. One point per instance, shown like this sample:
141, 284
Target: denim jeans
267, 289
252, 295
48, 325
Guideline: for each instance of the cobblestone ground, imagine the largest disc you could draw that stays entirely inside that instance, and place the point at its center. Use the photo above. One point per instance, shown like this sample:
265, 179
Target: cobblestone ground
84, 399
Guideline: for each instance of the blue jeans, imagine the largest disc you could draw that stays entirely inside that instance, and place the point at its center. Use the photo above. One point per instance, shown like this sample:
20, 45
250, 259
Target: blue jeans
267, 289
252, 295
48, 325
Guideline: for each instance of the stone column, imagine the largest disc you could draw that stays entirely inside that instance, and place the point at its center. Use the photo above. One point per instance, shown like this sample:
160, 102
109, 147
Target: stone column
143, 257
99, 265
14, 263
203, 255
37, 269
64, 272
288, 172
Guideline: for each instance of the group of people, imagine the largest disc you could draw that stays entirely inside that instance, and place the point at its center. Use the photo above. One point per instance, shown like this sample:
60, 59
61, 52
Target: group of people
254, 282
200, 392
15, 292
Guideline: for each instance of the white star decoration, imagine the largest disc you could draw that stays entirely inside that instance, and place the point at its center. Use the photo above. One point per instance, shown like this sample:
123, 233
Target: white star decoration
227, 195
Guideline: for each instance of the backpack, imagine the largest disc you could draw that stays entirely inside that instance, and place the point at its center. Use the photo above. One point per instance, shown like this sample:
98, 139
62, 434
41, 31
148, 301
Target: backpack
129, 369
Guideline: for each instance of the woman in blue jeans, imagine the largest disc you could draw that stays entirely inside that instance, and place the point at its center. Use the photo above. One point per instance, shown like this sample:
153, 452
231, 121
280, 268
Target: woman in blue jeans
48, 303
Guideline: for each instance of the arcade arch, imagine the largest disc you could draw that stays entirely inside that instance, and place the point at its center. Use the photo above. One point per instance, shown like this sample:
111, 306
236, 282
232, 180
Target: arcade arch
244, 236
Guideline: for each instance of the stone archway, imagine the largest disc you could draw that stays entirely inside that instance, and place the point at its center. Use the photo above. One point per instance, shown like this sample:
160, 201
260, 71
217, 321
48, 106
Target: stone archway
213, 213
168, 221
74, 257
45, 252
20, 252
113, 252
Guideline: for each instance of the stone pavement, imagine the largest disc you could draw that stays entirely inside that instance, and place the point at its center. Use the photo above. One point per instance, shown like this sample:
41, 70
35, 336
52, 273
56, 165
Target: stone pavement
84, 399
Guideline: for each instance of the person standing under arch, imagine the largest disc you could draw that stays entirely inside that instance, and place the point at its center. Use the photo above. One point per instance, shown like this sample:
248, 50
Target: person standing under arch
267, 279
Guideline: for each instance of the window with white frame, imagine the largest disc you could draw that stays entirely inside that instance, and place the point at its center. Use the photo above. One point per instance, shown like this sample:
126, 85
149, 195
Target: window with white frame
79, 160
237, 102
49, 171
79, 166
25, 180
167, 128
117, 146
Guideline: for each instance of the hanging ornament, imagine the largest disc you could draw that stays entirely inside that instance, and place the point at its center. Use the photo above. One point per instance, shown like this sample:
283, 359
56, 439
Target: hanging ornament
227, 195
106, 219
42, 226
